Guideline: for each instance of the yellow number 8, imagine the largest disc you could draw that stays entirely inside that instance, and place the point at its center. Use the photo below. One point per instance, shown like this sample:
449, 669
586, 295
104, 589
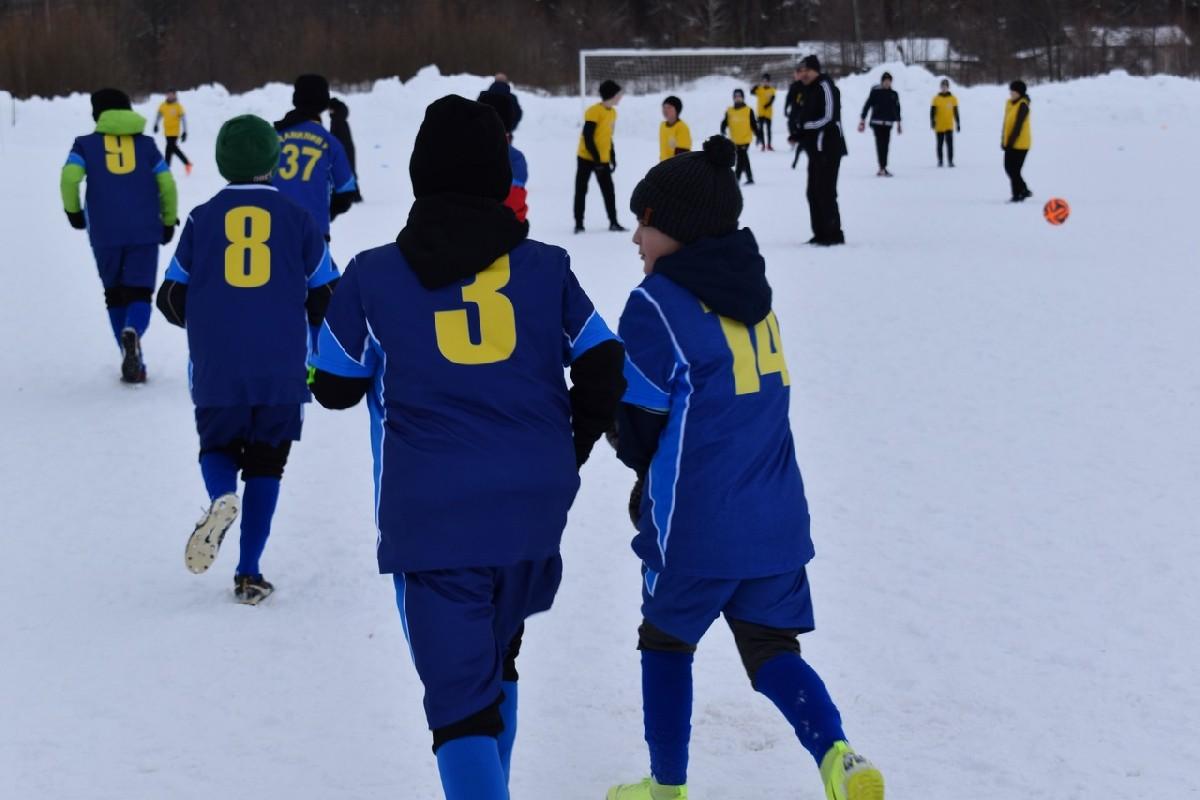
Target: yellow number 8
119, 154
247, 258
497, 320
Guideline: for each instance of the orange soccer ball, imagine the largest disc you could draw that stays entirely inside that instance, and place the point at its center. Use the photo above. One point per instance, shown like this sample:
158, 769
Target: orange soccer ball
1056, 211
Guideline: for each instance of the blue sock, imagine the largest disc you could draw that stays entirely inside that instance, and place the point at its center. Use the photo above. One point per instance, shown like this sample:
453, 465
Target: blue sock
508, 711
470, 769
258, 507
667, 712
137, 316
116, 318
798, 691
220, 473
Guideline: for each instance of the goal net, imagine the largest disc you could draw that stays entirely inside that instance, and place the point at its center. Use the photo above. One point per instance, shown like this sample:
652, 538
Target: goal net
648, 71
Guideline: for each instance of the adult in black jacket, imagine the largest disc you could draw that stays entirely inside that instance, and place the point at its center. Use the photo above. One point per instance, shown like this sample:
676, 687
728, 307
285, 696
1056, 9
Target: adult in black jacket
791, 110
339, 126
501, 86
820, 121
883, 105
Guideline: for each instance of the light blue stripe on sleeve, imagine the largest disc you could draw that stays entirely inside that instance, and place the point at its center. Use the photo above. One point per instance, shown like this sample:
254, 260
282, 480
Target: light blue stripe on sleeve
641, 391
77, 160
595, 331
325, 271
161, 167
348, 186
331, 357
176, 272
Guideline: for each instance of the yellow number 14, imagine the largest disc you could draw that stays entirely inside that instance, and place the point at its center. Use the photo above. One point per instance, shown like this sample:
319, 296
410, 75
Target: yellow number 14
751, 362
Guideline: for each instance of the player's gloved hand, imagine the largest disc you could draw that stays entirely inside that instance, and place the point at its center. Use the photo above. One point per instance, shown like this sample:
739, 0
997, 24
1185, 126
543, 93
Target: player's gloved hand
612, 166
183, 136
899, 129
168, 233
635, 501
862, 125
611, 437
156, 127
77, 220
959, 129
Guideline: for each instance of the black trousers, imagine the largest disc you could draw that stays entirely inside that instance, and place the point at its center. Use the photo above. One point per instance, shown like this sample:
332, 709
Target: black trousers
945, 139
173, 148
764, 131
1014, 160
883, 140
823, 210
583, 173
742, 165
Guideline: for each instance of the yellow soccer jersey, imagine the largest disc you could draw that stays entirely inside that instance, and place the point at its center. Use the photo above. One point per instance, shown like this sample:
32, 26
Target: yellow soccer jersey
764, 94
943, 112
672, 138
741, 130
606, 120
172, 116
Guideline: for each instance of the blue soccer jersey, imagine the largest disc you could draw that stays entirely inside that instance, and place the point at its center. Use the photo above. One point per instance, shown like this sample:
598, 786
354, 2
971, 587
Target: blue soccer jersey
723, 497
312, 167
122, 200
249, 256
470, 415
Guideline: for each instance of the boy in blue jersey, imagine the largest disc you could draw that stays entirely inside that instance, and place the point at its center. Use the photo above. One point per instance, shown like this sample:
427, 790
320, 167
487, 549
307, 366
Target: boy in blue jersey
251, 273
719, 503
130, 211
458, 333
313, 167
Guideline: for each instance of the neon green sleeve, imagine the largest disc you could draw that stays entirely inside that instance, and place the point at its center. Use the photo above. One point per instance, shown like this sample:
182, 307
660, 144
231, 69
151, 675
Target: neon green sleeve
168, 198
68, 184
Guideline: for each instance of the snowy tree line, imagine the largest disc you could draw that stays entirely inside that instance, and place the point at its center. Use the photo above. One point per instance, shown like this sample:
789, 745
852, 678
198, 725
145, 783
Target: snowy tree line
50, 47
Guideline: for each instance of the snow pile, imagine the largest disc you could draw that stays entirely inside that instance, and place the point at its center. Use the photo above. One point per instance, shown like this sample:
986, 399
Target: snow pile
996, 421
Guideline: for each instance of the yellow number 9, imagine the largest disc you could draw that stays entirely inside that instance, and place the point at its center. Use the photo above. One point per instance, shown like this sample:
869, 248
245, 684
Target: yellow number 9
497, 320
119, 154
247, 258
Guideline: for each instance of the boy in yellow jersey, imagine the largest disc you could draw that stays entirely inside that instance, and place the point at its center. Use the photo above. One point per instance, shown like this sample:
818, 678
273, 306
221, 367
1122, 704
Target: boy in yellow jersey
674, 136
765, 94
1016, 139
741, 125
174, 122
943, 118
597, 155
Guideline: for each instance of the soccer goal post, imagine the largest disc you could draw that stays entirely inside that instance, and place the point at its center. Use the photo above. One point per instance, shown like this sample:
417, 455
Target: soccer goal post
647, 71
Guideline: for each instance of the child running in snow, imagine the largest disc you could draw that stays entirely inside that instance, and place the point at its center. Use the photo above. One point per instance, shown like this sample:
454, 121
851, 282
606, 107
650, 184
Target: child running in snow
719, 505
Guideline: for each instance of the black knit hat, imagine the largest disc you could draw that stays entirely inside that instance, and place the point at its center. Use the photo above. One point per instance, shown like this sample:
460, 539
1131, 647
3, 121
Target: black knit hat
502, 105
1019, 87
811, 62
693, 195
887, 76
247, 148
461, 147
311, 93
739, 93
674, 101
609, 89
108, 100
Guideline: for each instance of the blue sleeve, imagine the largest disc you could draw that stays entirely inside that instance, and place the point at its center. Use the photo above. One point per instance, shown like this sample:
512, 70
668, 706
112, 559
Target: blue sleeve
583, 327
76, 156
345, 346
520, 169
181, 265
318, 265
650, 358
339, 168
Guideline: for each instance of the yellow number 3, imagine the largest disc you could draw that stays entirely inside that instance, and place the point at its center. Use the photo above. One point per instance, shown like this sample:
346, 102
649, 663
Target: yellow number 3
497, 321
247, 258
748, 365
119, 154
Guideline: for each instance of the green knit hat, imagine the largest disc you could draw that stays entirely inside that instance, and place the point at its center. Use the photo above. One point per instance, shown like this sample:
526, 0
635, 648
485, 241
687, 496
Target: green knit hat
247, 148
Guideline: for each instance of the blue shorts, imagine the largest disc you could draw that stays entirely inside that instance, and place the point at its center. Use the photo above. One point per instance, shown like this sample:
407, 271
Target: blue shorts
221, 427
685, 606
459, 623
133, 265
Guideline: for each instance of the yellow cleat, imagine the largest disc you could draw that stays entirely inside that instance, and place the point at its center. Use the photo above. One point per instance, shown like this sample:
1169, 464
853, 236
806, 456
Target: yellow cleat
648, 789
849, 776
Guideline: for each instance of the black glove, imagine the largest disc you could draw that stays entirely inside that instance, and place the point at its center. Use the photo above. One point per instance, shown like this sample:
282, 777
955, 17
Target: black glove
183, 136
611, 437
635, 501
77, 220
156, 127
612, 166
168, 233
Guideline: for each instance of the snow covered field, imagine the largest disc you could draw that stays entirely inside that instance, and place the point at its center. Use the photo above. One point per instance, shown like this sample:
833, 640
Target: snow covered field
998, 423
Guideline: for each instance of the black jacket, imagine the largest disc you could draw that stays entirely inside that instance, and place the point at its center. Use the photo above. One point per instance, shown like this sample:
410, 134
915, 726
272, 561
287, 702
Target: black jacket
821, 119
339, 126
793, 102
728, 275
884, 105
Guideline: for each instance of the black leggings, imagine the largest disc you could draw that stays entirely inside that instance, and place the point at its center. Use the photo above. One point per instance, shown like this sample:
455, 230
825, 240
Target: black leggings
583, 173
1014, 160
743, 163
945, 138
883, 139
173, 148
764, 131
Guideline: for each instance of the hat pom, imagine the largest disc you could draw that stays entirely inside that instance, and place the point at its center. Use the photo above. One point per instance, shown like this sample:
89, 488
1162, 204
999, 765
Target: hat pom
720, 152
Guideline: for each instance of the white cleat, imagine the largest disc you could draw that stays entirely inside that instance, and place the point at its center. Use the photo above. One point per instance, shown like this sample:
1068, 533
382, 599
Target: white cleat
205, 541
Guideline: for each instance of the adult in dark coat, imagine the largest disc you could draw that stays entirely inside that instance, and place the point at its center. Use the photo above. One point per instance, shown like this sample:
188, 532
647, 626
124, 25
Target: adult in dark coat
339, 126
820, 121
501, 86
